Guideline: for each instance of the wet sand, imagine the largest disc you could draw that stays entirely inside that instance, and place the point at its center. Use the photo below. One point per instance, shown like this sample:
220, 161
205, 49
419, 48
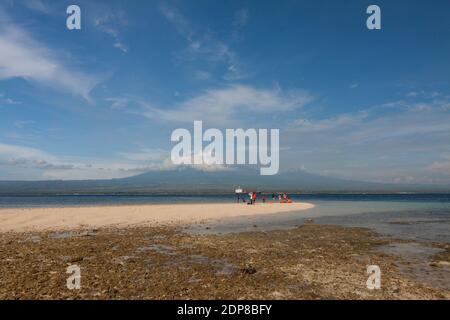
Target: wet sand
162, 262
68, 218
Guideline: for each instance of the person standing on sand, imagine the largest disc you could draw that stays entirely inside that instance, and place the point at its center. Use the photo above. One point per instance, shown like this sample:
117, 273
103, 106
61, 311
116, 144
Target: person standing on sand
254, 197
250, 194
238, 192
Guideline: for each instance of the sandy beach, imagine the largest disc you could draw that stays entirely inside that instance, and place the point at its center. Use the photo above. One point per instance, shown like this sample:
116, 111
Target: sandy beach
68, 218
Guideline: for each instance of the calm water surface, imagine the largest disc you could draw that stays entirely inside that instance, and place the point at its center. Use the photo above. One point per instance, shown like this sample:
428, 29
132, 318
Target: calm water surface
411, 216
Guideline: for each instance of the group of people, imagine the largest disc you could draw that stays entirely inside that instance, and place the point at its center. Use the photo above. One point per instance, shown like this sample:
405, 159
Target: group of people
283, 198
253, 196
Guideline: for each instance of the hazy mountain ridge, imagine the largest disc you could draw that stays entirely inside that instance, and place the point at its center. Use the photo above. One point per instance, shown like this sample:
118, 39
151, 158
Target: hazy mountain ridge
188, 180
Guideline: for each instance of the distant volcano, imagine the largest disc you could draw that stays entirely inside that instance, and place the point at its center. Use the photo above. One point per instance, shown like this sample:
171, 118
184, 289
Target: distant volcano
185, 180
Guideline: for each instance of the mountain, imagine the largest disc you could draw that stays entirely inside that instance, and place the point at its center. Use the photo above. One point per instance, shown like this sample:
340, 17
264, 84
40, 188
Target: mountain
187, 180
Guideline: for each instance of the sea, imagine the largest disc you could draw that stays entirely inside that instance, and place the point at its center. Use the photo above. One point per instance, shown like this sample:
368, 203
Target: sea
420, 217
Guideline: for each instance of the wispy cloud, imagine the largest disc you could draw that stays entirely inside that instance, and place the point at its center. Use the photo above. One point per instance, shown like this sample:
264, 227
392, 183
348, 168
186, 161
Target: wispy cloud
19, 152
204, 45
38, 164
38, 6
440, 167
7, 100
202, 75
109, 24
229, 104
393, 142
118, 103
240, 20
146, 154
121, 47
23, 57
35, 164
22, 123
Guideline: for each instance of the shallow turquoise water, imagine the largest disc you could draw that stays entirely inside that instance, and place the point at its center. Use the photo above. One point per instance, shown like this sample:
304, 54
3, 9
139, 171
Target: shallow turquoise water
363, 200
423, 217
423, 221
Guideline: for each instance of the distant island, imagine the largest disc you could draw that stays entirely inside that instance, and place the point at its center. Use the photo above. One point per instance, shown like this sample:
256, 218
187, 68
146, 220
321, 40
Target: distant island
186, 180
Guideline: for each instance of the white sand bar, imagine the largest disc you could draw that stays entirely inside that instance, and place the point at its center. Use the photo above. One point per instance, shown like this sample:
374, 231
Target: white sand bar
39, 219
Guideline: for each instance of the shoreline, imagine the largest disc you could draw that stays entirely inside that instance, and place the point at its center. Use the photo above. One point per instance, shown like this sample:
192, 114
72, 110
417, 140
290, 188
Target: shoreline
72, 218
106, 205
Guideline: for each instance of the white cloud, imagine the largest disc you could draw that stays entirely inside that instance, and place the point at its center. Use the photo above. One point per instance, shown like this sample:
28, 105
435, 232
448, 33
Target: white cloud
10, 152
222, 106
23, 123
34, 164
307, 125
6, 100
440, 167
146, 155
121, 47
389, 143
12, 101
23, 57
202, 75
37, 164
118, 103
204, 45
177, 19
412, 94
109, 23
37, 5
241, 18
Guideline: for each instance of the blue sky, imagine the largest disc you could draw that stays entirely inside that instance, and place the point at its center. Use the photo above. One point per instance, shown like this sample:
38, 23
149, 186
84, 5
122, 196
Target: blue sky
102, 102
